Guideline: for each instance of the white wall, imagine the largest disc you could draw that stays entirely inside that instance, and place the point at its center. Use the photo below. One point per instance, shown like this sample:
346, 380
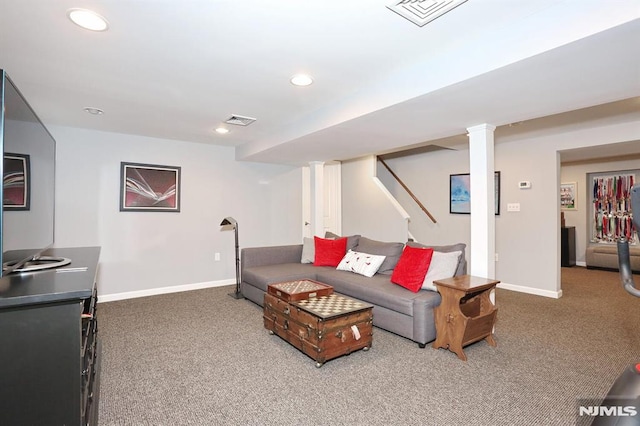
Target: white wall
145, 252
577, 172
366, 209
527, 242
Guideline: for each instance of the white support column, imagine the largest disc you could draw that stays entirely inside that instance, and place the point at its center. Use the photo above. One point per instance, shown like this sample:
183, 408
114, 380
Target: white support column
482, 183
317, 198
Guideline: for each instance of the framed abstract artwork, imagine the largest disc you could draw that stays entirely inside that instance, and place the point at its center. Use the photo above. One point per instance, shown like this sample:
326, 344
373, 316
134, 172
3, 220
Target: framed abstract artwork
16, 182
149, 188
460, 193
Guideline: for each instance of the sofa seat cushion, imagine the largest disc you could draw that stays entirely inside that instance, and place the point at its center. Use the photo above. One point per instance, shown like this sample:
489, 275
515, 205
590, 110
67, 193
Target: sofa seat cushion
606, 256
378, 290
613, 249
262, 276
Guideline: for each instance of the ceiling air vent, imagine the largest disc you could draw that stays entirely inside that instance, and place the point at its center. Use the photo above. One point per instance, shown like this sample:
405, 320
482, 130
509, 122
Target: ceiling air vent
421, 12
239, 120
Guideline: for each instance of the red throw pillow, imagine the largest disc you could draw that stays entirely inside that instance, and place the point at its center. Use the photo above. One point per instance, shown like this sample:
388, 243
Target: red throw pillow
329, 252
412, 267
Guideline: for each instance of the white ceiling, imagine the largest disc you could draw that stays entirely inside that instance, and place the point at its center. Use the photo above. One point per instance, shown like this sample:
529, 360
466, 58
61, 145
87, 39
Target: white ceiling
176, 69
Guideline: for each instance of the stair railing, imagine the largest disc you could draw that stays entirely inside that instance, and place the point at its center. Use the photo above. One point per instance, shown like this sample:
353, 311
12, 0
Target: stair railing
424, 209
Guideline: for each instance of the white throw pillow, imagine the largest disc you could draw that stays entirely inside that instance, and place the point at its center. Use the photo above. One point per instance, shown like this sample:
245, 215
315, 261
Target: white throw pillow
308, 250
361, 263
443, 265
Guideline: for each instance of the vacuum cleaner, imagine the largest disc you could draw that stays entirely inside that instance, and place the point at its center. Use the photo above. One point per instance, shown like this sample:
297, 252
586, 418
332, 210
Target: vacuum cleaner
621, 406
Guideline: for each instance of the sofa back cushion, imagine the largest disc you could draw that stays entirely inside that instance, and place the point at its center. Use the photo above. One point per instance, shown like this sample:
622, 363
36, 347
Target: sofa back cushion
391, 251
352, 240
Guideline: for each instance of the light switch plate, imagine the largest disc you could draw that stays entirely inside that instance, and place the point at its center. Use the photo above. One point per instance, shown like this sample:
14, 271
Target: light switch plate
513, 207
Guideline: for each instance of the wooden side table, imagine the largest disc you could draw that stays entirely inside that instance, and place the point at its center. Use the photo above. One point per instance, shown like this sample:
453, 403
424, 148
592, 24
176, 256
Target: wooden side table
466, 313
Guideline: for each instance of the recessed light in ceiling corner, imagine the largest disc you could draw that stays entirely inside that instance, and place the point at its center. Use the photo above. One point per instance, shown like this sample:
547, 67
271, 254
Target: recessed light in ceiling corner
222, 130
301, 80
93, 111
88, 19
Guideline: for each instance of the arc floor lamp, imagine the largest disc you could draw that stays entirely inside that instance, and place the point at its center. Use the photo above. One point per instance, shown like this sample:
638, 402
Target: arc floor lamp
231, 222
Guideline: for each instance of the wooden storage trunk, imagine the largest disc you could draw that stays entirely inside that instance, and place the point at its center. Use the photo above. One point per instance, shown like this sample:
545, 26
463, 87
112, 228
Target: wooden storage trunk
299, 290
324, 328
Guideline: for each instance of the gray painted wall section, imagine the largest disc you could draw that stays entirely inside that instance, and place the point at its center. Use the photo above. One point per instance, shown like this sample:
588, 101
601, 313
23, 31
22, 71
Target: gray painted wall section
528, 241
366, 210
147, 251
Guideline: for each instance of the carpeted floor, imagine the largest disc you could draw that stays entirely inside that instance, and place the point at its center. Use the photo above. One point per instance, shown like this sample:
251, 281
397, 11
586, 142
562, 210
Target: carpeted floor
203, 358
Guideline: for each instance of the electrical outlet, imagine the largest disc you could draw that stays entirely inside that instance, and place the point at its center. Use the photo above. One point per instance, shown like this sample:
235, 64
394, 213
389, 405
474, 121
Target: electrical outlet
217, 257
496, 257
513, 207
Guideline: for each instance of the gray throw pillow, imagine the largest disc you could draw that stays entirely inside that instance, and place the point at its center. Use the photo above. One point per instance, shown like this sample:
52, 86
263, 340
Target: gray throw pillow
447, 249
392, 251
308, 250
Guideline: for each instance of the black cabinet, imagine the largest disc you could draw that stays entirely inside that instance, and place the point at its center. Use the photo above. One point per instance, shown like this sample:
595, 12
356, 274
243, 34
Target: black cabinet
49, 347
568, 246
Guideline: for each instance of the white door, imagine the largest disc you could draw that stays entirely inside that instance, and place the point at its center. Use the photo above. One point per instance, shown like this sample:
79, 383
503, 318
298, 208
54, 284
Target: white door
331, 199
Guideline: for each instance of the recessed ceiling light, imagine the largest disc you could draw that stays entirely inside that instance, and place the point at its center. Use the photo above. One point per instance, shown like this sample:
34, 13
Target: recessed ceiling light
222, 130
88, 19
93, 111
301, 80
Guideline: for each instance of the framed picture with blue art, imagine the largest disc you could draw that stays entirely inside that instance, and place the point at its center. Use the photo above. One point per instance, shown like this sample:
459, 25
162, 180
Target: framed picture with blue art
149, 188
460, 193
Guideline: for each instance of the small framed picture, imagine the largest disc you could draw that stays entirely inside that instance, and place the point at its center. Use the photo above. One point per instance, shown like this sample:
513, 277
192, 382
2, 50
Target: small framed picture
569, 196
460, 193
16, 182
149, 188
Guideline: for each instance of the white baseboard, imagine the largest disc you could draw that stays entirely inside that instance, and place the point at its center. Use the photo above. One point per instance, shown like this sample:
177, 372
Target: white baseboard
583, 264
162, 290
102, 298
531, 290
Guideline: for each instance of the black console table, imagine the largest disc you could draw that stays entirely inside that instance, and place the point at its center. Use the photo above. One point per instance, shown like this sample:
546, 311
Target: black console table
50, 351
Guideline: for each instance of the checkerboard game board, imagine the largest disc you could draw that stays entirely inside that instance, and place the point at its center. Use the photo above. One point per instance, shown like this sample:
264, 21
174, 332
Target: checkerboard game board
331, 305
299, 290
301, 286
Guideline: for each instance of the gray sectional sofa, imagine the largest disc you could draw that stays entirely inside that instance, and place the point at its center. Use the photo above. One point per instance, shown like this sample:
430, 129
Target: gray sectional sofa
396, 309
